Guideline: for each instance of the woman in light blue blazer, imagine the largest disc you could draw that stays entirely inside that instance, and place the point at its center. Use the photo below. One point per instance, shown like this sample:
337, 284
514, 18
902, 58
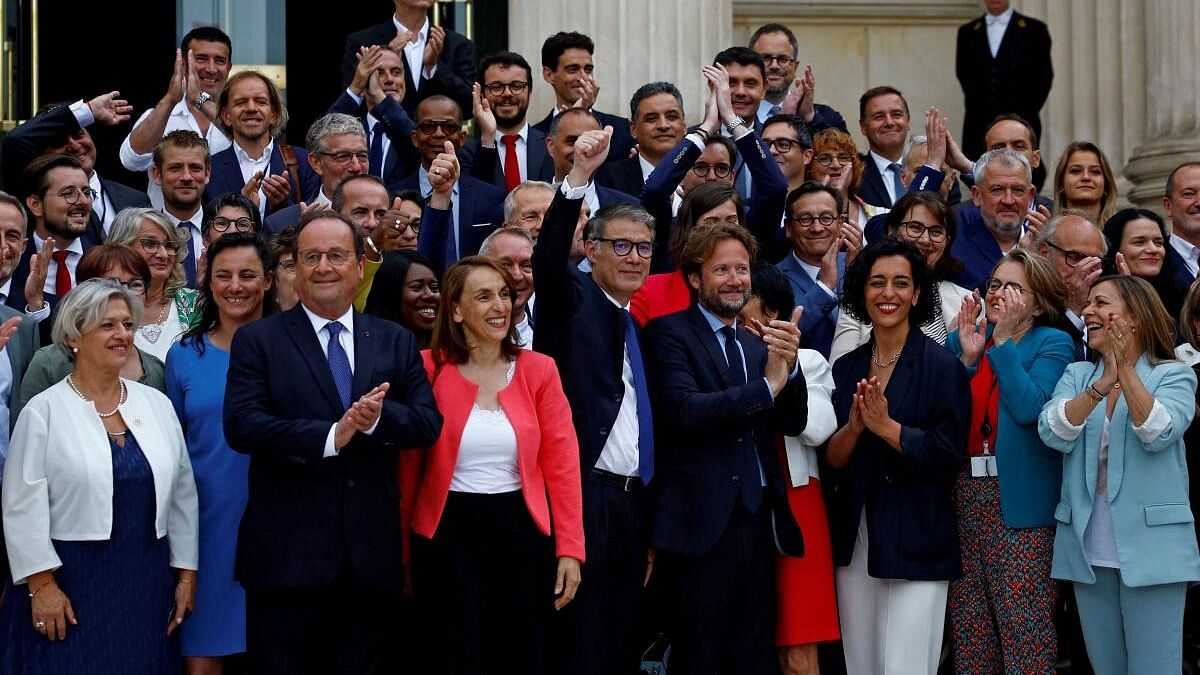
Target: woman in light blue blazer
1002, 608
1125, 532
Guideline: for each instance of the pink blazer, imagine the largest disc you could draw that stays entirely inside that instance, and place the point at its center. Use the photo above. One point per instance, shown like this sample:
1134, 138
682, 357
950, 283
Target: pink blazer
547, 450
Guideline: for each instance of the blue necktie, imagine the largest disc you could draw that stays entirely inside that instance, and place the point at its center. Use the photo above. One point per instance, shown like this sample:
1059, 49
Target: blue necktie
375, 156
644, 416
751, 471
189, 260
339, 363
899, 186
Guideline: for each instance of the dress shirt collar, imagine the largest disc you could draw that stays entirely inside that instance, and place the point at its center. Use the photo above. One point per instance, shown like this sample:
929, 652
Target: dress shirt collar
812, 270
427, 187
245, 158
883, 164
1002, 19
647, 167
422, 34
523, 133
196, 219
322, 199
5, 289
319, 322
75, 247
1186, 250
611, 298
715, 322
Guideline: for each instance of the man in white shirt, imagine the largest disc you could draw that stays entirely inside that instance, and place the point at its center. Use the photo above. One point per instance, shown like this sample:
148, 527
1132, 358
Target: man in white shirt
1181, 201
657, 124
181, 171
202, 65
514, 247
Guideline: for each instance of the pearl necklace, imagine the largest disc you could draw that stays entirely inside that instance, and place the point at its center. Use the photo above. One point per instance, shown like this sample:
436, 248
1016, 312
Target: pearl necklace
120, 399
888, 363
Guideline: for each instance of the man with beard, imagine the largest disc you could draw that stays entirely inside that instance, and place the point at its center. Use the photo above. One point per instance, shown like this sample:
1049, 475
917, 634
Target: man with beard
273, 176
514, 247
181, 170
657, 125
501, 98
61, 129
1003, 191
202, 64
566, 128
780, 52
721, 394
375, 96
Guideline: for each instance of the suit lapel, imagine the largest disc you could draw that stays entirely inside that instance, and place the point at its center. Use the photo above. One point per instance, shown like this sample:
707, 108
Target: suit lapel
535, 154
227, 165
874, 178
898, 387
364, 354
704, 335
301, 332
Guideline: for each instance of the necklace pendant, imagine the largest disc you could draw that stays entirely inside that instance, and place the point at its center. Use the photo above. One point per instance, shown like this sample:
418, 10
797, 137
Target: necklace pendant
151, 331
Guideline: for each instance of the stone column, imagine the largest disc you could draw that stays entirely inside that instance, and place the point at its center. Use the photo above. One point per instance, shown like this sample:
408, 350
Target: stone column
637, 41
1171, 96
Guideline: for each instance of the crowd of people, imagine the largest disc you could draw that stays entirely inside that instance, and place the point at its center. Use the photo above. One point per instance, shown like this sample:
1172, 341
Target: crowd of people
580, 395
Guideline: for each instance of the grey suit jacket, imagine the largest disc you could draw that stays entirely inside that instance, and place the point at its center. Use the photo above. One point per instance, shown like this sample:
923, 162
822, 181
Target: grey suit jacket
20, 349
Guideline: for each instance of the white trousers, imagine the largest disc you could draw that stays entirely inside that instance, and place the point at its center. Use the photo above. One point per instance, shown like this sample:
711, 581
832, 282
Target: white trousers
889, 627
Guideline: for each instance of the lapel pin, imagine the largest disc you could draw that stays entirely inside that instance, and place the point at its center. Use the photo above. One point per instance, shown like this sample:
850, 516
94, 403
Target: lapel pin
137, 421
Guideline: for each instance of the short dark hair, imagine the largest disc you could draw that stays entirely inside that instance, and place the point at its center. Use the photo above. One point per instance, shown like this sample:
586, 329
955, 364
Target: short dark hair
236, 200
324, 214
810, 187
449, 344
210, 316
339, 193
1013, 117
182, 139
1169, 291
703, 240
557, 121
947, 266
99, 259
652, 89
771, 286
410, 195
503, 59
556, 44
743, 56
33, 180
280, 243
854, 283
699, 201
803, 135
438, 98
205, 34
875, 92
769, 28
1171, 176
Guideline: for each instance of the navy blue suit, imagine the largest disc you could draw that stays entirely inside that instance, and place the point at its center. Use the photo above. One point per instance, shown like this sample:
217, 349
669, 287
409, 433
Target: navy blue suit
624, 175
819, 321
608, 196
908, 496
487, 164
454, 75
401, 158
227, 176
622, 139
873, 191
480, 210
975, 246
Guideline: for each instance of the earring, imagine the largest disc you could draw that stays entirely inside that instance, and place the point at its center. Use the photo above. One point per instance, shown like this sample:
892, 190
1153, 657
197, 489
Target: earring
75, 349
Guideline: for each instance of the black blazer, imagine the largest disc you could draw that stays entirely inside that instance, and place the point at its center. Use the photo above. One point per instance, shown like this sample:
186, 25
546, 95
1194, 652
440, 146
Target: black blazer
622, 139
908, 496
1017, 80
874, 192
455, 67
704, 426
480, 211
487, 164
227, 175
624, 175
307, 515
402, 157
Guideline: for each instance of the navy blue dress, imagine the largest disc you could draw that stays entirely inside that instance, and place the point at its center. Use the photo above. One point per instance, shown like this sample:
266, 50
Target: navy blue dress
121, 590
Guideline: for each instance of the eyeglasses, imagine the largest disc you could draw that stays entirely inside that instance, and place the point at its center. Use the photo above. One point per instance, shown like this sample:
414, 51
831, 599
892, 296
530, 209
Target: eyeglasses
994, 285
826, 158
915, 228
807, 220
337, 257
1072, 258
702, 169
401, 226
288, 264
430, 127
622, 247
153, 245
344, 158
781, 144
497, 88
136, 286
782, 60
242, 224
71, 195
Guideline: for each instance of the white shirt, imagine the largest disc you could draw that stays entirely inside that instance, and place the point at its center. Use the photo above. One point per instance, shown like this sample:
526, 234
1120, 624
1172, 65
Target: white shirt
171, 330
196, 245
621, 452
647, 167
322, 200
74, 255
180, 118
884, 164
996, 25
1189, 253
102, 206
252, 165
522, 144
39, 315
414, 52
487, 452
346, 340
766, 110
525, 331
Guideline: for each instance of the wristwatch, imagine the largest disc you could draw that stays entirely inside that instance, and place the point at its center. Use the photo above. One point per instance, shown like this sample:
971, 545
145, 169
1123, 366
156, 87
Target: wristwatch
735, 123
203, 98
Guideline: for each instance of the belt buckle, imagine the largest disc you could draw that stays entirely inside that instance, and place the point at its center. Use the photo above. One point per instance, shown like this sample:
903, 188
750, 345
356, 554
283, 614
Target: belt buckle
628, 486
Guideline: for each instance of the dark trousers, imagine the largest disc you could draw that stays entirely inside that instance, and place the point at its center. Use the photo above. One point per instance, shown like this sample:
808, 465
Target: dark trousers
596, 633
484, 587
346, 627
724, 601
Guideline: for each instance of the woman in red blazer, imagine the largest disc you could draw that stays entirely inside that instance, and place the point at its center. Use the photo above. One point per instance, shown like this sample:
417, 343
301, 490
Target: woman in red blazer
500, 497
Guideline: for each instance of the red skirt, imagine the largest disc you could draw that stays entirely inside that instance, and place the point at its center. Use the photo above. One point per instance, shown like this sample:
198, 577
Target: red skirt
807, 599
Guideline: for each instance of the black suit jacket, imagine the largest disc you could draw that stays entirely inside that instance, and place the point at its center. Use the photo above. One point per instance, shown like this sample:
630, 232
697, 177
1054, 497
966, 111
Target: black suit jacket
454, 75
874, 192
227, 175
704, 425
623, 175
306, 514
622, 139
480, 211
487, 164
122, 197
402, 157
1017, 80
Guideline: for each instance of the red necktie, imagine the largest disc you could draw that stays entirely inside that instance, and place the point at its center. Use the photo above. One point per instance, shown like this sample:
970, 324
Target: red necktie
512, 168
62, 275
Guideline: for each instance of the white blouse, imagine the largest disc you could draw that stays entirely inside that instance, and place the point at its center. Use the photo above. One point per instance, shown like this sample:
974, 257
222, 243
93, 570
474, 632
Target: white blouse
171, 327
487, 452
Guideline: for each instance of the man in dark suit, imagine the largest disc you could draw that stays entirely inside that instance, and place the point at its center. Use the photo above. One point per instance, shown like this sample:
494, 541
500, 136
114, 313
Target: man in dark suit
319, 548
475, 207
339, 149
61, 129
1075, 246
657, 124
780, 52
822, 245
584, 324
508, 150
721, 394
1002, 60
375, 97
436, 60
271, 174
560, 142
567, 67
883, 119
1181, 202
1003, 194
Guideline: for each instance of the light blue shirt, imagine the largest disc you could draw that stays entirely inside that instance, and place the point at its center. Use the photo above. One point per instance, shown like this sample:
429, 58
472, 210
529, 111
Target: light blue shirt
427, 189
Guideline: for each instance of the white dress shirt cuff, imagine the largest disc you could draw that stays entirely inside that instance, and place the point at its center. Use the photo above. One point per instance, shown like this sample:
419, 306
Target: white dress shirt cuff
571, 192
1156, 422
330, 449
372, 429
357, 99
38, 315
697, 140
83, 114
827, 289
1060, 425
745, 129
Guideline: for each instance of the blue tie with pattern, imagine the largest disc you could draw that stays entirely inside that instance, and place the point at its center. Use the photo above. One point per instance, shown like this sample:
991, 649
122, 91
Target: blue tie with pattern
644, 416
189, 260
751, 471
897, 184
339, 363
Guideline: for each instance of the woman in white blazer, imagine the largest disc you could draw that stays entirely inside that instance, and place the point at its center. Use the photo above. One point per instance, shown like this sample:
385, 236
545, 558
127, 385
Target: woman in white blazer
99, 506
924, 220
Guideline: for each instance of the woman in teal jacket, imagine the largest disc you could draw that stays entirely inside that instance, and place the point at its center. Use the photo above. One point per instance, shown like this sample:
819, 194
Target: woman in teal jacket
1125, 533
1002, 609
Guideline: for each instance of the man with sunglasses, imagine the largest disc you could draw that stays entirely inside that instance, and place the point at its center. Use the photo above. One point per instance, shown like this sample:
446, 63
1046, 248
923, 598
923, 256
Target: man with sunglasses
1075, 245
508, 150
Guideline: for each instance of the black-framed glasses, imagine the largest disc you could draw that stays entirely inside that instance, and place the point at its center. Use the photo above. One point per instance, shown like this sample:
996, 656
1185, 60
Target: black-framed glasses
402, 225
781, 144
994, 285
702, 169
915, 228
781, 59
1072, 258
71, 195
623, 247
517, 87
808, 220
344, 158
448, 127
826, 158
152, 246
222, 224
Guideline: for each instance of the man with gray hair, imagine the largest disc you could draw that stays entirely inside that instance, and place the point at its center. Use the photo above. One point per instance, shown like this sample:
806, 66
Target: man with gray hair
657, 124
1075, 246
513, 245
337, 148
526, 205
1003, 213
